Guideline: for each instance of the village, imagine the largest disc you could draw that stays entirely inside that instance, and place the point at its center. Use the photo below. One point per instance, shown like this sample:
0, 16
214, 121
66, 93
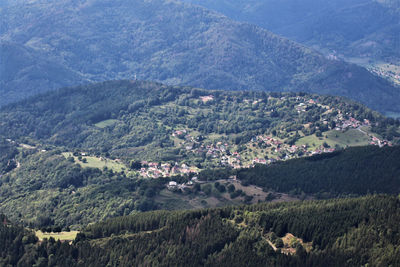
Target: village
260, 149
265, 149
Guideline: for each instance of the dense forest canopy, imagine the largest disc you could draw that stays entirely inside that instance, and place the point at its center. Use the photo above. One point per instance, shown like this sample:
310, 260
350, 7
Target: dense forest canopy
346, 232
358, 170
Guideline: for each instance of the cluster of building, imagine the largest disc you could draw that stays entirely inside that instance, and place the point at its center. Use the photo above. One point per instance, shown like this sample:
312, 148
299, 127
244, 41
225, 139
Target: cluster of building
172, 185
302, 106
207, 98
344, 124
156, 170
377, 142
388, 74
223, 154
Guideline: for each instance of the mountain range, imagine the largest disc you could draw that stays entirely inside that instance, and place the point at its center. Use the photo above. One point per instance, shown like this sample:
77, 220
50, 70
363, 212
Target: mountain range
75, 42
367, 29
164, 133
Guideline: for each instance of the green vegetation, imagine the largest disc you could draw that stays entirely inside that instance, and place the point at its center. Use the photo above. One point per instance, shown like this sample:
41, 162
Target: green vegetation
8, 151
335, 138
95, 162
163, 124
341, 232
340, 28
182, 44
49, 190
358, 170
147, 174
61, 170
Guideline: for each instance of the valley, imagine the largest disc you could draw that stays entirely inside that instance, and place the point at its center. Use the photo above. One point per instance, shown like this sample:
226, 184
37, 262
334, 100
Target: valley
199, 133
364, 32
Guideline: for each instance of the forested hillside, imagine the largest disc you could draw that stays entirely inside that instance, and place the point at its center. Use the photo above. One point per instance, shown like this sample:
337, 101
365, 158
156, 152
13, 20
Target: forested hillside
352, 28
84, 154
358, 170
144, 121
48, 190
112, 155
346, 232
30, 72
167, 41
8, 151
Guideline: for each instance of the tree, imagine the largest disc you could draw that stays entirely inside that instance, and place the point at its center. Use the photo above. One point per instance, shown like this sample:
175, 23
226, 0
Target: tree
136, 165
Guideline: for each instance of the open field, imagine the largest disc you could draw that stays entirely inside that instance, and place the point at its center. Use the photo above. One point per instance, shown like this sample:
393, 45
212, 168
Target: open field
95, 162
352, 137
62, 236
106, 123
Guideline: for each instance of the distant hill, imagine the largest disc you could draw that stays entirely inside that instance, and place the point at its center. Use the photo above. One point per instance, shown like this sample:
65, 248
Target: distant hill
166, 41
25, 72
352, 28
142, 120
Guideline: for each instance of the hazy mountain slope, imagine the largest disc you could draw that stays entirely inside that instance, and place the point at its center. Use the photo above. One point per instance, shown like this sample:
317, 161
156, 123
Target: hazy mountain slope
355, 28
180, 44
26, 72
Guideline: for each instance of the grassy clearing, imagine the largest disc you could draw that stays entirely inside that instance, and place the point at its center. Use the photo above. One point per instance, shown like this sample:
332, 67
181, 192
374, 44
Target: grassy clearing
214, 136
106, 123
62, 236
352, 137
173, 201
94, 162
313, 141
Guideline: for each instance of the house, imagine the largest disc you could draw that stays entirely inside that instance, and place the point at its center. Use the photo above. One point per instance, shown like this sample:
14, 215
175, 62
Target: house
206, 98
172, 184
